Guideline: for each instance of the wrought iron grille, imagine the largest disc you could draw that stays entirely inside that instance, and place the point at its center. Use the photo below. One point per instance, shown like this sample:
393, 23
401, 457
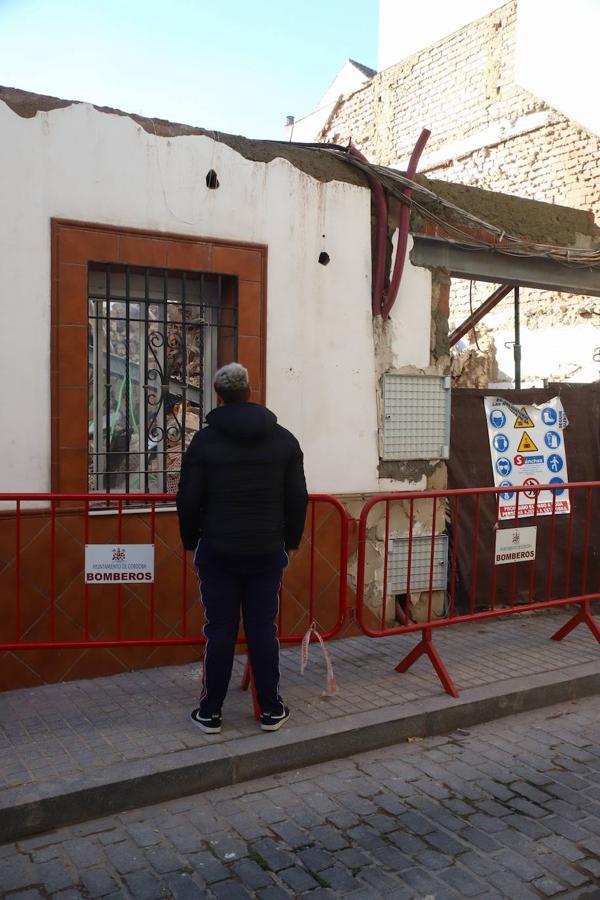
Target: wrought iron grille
156, 339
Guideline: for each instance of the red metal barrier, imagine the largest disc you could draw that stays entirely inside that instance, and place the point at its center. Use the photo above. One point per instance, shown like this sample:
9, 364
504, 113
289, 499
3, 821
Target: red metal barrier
429, 553
33, 590
440, 545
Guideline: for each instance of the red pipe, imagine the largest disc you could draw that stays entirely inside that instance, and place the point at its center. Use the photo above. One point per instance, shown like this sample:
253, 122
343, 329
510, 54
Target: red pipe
380, 235
479, 313
431, 559
18, 571
387, 301
52, 567
474, 554
86, 587
311, 597
385, 562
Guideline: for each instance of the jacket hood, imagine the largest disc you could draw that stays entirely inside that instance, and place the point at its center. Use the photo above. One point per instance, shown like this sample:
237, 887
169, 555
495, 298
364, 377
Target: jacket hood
242, 421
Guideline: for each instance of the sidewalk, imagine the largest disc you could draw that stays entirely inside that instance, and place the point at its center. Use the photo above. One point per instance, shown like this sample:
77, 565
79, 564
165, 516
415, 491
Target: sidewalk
73, 751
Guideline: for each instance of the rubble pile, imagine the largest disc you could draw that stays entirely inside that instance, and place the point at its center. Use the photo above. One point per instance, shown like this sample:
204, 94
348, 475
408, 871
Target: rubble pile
475, 365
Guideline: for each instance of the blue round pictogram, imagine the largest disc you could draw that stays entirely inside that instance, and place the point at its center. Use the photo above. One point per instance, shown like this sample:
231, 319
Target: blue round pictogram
555, 462
552, 439
503, 466
500, 443
549, 416
557, 480
506, 495
497, 418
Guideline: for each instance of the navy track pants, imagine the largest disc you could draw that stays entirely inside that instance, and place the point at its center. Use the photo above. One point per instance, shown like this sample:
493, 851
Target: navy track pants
228, 585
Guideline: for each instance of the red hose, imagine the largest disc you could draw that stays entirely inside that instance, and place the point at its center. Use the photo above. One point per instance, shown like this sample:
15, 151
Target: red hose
403, 225
380, 236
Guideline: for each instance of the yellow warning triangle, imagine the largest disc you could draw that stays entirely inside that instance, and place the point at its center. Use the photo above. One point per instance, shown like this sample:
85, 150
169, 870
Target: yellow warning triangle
526, 445
523, 420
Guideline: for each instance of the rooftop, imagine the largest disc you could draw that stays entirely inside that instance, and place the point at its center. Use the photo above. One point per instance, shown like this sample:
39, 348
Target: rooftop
521, 218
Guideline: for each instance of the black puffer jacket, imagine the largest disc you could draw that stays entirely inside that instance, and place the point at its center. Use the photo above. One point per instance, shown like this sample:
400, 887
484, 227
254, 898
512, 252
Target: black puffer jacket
242, 486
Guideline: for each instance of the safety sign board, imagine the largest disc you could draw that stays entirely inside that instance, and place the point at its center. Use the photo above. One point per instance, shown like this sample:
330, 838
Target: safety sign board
119, 563
527, 448
515, 545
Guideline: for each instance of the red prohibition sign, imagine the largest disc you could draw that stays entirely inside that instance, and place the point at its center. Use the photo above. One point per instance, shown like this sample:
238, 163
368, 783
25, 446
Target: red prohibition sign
532, 482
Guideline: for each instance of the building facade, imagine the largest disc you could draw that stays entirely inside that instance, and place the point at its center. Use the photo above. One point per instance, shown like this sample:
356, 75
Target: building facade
138, 256
489, 131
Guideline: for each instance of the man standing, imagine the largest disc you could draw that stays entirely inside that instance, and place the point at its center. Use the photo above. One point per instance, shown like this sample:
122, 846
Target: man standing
242, 503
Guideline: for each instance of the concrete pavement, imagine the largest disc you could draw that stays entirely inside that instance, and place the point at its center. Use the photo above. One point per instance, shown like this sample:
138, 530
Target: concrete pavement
75, 751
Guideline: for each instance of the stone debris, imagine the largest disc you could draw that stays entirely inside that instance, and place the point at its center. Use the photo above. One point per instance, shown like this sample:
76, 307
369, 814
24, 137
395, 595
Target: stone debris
475, 365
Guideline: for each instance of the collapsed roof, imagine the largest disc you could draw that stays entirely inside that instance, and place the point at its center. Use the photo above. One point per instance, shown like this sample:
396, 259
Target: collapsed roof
451, 211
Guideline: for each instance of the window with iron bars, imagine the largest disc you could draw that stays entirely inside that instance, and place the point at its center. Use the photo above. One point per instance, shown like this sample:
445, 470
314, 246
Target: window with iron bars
156, 339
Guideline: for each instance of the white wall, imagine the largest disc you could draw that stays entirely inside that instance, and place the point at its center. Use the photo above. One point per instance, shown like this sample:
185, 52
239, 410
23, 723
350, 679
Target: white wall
78, 163
307, 128
411, 314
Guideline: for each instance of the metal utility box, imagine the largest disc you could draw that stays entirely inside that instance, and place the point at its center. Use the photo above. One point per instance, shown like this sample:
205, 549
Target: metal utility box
416, 416
419, 564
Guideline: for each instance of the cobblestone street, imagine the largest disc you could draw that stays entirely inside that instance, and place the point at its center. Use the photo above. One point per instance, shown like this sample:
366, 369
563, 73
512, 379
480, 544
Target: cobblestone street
507, 809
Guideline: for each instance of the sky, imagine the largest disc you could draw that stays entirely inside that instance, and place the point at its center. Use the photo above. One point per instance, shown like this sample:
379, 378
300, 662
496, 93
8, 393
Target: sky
243, 66
231, 65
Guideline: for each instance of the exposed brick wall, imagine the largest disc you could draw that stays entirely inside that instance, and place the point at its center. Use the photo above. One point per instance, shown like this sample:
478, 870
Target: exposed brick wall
559, 163
456, 87
463, 87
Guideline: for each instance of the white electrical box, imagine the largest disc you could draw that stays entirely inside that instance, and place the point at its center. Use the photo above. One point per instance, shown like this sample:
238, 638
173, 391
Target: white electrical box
420, 564
416, 411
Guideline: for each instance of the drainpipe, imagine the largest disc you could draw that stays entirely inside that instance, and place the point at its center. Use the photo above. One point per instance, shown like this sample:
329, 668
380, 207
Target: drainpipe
403, 227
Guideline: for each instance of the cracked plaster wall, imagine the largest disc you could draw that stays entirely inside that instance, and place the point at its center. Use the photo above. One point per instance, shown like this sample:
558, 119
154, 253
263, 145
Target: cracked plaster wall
77, 163
325, 356
414, 340
85, 164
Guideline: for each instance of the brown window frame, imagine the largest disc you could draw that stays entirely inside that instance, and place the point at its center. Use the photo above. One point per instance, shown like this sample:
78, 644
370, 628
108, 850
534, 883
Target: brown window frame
77, 244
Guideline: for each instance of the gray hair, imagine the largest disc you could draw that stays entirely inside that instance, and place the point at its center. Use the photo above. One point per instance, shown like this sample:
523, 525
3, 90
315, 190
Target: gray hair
231, 379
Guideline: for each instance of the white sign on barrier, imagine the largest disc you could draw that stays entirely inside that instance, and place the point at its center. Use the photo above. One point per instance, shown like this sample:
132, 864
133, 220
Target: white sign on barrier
527, 448
515, 544
119, 563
